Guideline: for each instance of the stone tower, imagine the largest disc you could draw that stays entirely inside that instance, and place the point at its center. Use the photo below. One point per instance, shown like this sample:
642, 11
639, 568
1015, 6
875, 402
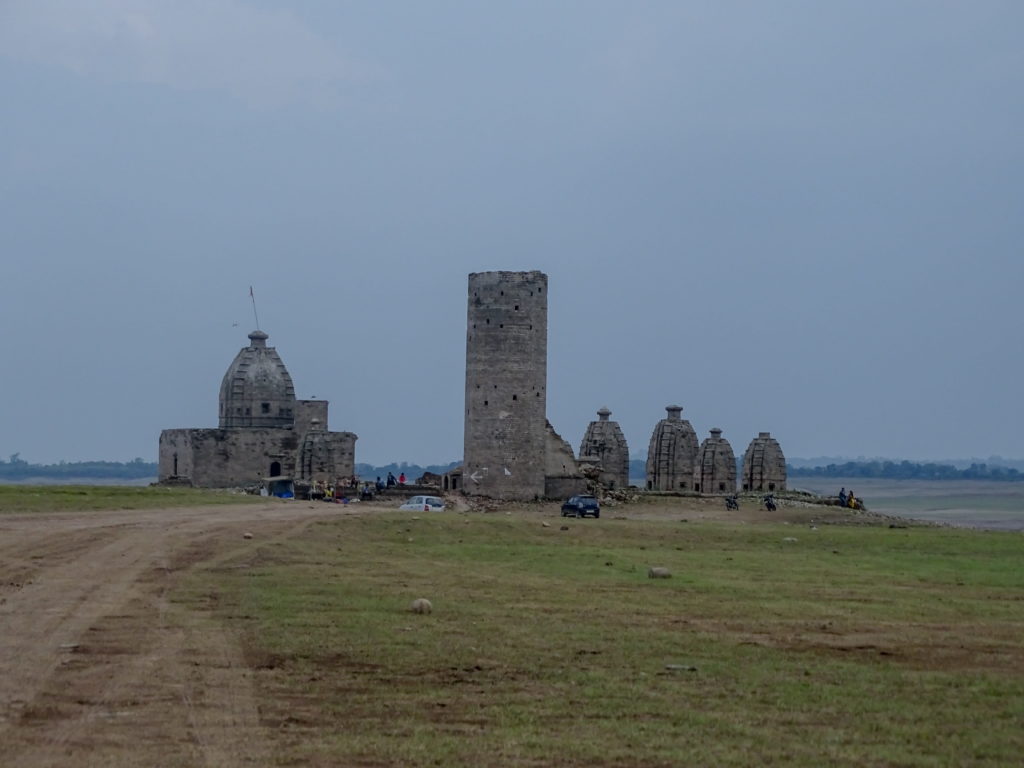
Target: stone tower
504, 449
257, 390
672, 455
606, 445
716, 465
764, 466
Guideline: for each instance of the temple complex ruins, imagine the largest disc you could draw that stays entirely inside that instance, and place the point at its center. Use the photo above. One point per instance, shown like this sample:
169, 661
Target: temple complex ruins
764, 466
716, 465
604, 446
264, 431
672, 454
510, 451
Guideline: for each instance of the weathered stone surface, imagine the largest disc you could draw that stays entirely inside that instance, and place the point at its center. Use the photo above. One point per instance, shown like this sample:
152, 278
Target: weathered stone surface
506, 385
257, 390
562, 476
672, 454
605, 445
764, 465
716, 465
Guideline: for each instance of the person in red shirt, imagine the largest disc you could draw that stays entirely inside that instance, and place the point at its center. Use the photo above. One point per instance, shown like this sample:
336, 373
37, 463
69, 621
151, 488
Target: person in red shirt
401, 479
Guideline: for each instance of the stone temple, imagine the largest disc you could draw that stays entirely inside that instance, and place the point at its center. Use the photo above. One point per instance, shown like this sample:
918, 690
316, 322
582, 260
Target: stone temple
604, 445
716, 465
510, 451
672, 454
264, 431
764, 466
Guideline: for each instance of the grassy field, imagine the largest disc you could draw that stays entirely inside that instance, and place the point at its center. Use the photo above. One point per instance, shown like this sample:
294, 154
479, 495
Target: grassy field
549, 645
68, 498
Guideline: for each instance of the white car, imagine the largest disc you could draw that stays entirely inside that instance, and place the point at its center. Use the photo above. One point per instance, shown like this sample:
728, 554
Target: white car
424, 504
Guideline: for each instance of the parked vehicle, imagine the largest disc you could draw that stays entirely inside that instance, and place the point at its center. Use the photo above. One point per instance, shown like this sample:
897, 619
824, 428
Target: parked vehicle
581, 506
424, 504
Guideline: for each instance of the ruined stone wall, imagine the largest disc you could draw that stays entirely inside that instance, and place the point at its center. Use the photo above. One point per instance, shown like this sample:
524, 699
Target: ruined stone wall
716, 466
605, 442
764, 465
672, 454
506, 385
326, 456
229, 458
306, 411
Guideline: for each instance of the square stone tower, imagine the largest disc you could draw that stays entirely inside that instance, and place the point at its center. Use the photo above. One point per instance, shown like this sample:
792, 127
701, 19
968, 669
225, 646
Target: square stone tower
506, 385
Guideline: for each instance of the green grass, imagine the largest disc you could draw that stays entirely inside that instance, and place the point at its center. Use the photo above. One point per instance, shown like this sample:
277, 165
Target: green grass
851, 646
68, 498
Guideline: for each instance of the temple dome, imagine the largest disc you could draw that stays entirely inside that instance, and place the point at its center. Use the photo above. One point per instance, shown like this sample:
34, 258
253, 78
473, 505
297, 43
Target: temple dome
764, 465
672, 454
605, 444
257, 390
716, 465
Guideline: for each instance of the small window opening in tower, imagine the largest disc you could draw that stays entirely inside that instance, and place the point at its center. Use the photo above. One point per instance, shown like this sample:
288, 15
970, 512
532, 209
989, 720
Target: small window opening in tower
248, 411
488, 321
683, 486
514, 397
175, 464
485, 402
502, 293
531, 327
501, 325
721, 486
771, 486
264, 407
517, 307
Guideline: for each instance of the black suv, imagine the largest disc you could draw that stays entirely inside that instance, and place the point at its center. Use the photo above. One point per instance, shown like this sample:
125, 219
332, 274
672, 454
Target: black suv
581, 506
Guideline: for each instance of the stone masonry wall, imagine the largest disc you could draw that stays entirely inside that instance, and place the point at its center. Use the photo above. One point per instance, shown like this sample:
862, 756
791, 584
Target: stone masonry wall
506, 385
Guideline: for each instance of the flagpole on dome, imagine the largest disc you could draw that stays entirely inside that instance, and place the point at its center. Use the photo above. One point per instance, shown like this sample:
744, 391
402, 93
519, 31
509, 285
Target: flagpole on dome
253, 297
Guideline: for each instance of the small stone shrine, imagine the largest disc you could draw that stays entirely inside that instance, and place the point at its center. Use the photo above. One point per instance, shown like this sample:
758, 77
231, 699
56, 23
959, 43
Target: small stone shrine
716, 465
764, 466
604, 445
672, 454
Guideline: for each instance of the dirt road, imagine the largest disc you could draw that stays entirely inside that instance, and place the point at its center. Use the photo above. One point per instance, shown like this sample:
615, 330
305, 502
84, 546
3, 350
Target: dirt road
97, 666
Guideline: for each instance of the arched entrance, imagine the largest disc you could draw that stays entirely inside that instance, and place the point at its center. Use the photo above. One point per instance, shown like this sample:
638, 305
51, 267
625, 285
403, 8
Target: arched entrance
275, 468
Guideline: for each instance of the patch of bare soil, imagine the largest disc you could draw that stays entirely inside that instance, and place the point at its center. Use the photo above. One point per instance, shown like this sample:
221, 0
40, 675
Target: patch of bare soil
98, 667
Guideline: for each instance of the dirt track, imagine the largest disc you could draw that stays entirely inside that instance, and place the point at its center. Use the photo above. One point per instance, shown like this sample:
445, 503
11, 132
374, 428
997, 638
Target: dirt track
97, 666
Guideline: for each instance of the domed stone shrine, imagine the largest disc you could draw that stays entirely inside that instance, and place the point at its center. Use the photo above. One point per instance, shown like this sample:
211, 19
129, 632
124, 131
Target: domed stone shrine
764, 466
605, 445
716, 465
672, 454
264, 431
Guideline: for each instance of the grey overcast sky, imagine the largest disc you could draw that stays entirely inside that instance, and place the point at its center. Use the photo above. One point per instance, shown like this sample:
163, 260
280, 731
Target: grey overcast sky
789, 215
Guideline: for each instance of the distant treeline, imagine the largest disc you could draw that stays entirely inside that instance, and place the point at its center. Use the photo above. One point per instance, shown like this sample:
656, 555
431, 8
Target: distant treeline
412, 471
17, 468
908, 470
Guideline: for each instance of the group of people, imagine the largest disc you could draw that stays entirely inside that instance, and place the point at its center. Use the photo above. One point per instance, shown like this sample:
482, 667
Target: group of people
391, 481
847, 499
